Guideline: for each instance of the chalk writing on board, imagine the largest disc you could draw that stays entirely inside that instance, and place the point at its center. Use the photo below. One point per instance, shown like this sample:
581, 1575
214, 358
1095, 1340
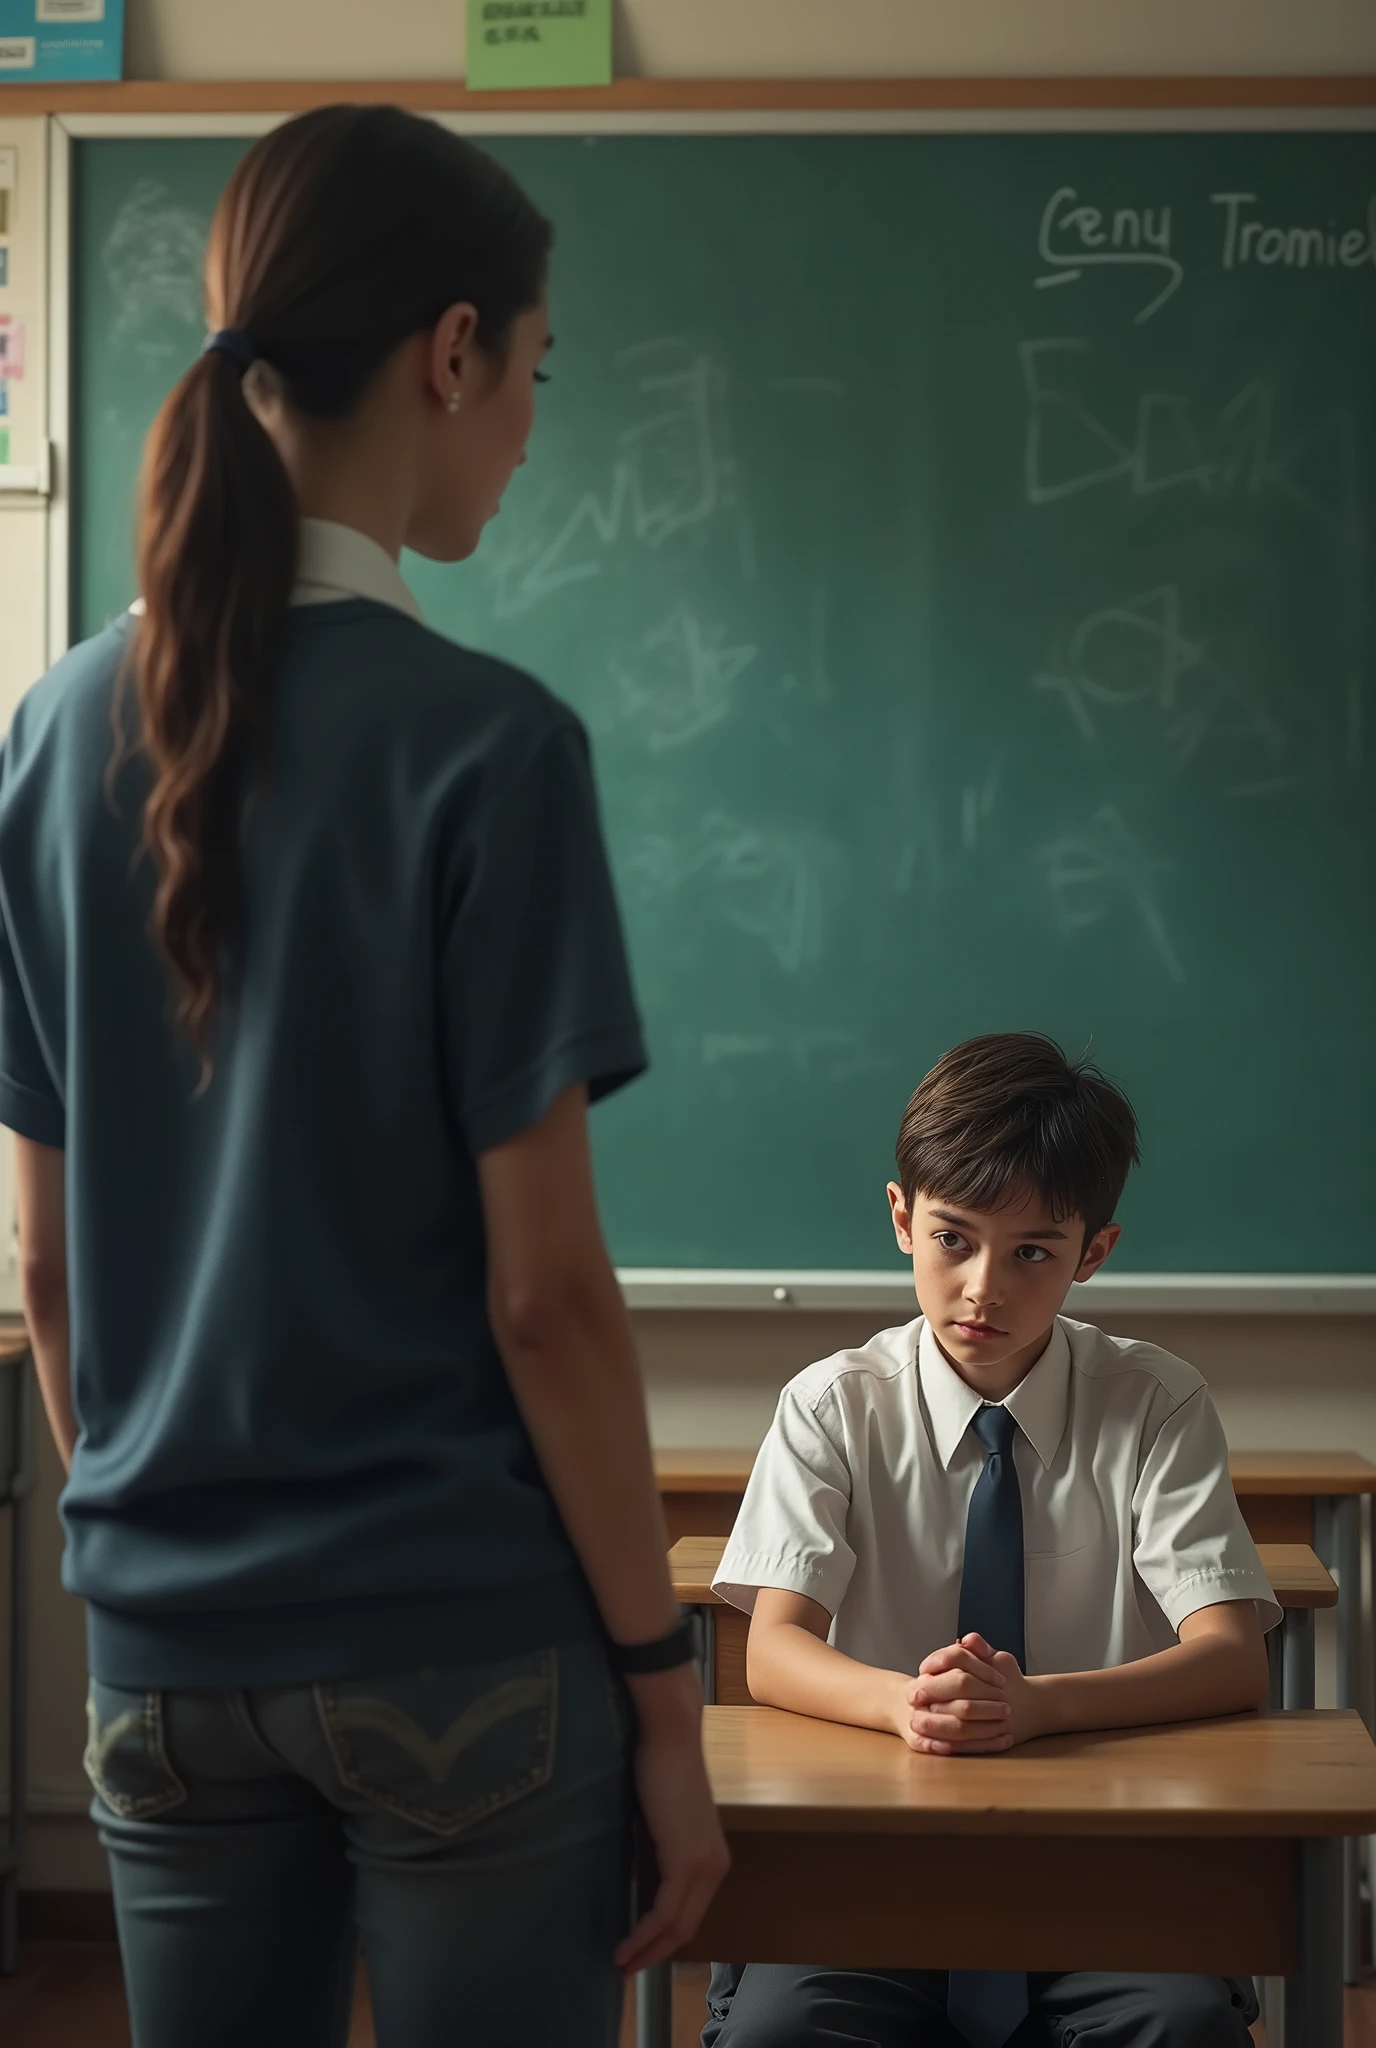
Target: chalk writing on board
677, 681
815, 682
1089, 871
1074, 238
977, 800
769, 882
1249, 240
672, 473
828, 1053
1139, 651
1125, 653
1173, 442
152, 260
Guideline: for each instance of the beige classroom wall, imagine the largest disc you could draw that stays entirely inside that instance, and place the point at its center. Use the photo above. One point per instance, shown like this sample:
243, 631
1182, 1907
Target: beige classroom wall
771, 38
712, 1379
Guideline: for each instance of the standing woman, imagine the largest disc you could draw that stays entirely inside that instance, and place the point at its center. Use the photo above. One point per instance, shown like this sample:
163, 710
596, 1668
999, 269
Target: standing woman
308, 971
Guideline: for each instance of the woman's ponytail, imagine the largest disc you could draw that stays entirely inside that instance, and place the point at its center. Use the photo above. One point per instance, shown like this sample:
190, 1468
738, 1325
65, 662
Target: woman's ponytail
339, 235
217, 553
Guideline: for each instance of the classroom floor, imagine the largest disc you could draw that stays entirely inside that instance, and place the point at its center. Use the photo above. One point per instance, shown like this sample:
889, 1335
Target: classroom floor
70, 1992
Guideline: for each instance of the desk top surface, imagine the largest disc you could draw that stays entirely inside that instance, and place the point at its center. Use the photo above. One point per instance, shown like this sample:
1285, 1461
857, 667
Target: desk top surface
1267, 1774
1253, 1472
1297, 1578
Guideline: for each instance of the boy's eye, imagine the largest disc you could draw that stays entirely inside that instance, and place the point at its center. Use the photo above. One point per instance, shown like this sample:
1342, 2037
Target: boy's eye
950, 1240
1033, 1254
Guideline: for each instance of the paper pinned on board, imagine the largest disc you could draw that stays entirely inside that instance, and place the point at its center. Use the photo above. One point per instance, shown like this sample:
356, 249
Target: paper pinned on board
11, 346
515, 43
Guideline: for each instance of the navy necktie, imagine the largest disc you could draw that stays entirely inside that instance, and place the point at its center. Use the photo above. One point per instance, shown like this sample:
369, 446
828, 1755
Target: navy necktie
986, 2006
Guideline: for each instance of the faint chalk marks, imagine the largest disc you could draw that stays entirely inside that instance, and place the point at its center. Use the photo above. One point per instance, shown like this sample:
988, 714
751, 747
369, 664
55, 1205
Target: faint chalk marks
1087, 870
833, 1054
977, 801
1140, 652
676, 683
673, 473
772, 884
1126, 653
152, 260
816, 684
810, 387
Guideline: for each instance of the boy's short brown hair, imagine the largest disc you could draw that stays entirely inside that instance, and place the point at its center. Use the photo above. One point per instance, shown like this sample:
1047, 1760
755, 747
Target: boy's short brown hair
1007, 1114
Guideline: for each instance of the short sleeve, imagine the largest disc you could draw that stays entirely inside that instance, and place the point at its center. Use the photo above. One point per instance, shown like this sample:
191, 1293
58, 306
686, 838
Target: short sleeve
1192, 1548
790, 1533
535, 987
29, 1101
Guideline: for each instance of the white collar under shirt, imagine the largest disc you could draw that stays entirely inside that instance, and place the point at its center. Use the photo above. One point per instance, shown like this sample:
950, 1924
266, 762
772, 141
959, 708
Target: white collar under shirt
861, 1490
338, 562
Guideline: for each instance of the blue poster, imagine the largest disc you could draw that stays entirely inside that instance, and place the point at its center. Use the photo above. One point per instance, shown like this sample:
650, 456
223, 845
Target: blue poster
47, 39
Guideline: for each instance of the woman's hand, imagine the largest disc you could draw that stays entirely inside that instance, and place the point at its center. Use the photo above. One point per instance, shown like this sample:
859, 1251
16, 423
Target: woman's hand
677, 1807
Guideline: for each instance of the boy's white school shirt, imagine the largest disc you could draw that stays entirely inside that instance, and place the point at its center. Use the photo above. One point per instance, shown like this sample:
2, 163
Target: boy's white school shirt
861, 1490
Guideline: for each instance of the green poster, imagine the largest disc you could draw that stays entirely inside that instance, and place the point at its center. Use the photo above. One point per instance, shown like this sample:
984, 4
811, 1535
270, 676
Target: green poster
513, 43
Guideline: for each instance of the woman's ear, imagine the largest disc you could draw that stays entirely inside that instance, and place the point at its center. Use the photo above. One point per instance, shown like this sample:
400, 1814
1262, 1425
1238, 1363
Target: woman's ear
1098, 1249
450, 356
902, 1221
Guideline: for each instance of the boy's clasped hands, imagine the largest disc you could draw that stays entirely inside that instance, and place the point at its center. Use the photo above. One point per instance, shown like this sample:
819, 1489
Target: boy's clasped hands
969, 1699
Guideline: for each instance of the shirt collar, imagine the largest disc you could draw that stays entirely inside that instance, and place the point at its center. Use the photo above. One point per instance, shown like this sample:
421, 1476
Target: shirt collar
1039, 1404
338, 562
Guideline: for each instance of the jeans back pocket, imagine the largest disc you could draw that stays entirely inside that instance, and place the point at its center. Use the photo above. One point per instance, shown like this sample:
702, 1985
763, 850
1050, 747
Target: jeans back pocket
444, 1750
126, 1756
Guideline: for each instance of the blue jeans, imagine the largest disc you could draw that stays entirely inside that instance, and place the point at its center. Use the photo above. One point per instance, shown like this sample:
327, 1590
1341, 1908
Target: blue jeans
470, 1827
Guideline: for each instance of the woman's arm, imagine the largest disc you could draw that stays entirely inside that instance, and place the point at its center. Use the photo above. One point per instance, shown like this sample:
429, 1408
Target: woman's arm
565, 1340
41, 1203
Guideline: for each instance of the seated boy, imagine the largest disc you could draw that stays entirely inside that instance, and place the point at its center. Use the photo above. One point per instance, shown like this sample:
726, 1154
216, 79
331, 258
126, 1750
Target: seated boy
994, 1524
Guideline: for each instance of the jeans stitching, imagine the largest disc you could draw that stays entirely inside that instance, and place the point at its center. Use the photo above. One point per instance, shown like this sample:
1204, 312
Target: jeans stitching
151, 1728
431, 1818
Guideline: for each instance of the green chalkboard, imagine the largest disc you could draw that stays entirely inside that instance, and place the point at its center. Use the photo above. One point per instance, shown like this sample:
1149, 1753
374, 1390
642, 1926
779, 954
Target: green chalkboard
961, 550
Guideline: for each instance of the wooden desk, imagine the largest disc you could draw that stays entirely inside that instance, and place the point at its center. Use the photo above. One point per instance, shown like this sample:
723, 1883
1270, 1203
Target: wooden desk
1299, 1582
835, 1831
1281, 1493
701, 1490
1286, 1497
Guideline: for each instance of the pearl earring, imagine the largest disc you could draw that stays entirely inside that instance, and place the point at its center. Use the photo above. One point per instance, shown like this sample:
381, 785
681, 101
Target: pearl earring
454, 401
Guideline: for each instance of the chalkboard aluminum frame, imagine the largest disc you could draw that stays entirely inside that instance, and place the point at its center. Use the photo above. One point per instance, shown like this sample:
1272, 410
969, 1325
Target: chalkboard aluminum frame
1304, 1294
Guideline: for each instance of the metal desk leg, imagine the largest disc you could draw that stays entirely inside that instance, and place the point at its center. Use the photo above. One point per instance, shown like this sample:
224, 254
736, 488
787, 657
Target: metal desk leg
654, 2008
1271, 1998
1337, 1538
1275, 1661
21, 1487
1298, 1654
1314, 1999
705, 1652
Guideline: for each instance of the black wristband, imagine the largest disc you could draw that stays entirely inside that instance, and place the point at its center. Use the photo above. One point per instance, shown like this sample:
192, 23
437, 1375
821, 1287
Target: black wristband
665, 1653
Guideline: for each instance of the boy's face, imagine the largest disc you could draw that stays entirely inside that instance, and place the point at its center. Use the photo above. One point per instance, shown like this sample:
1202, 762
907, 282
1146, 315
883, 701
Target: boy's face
991, 1282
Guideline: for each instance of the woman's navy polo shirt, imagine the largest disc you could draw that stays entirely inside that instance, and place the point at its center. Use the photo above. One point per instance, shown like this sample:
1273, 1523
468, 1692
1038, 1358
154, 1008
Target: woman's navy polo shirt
299, 1456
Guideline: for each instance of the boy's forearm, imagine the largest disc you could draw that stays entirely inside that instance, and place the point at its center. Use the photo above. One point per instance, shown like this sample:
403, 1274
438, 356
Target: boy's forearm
788, 1666
1192, 1681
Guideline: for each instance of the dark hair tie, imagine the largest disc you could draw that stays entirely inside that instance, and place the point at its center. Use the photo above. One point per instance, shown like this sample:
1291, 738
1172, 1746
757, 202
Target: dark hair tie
230, 341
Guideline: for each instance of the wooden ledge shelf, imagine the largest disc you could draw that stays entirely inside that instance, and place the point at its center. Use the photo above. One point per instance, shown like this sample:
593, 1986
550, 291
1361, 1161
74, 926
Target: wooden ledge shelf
701, 95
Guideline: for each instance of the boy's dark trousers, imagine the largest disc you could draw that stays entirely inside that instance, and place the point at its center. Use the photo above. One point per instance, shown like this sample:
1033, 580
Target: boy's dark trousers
791, 2005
